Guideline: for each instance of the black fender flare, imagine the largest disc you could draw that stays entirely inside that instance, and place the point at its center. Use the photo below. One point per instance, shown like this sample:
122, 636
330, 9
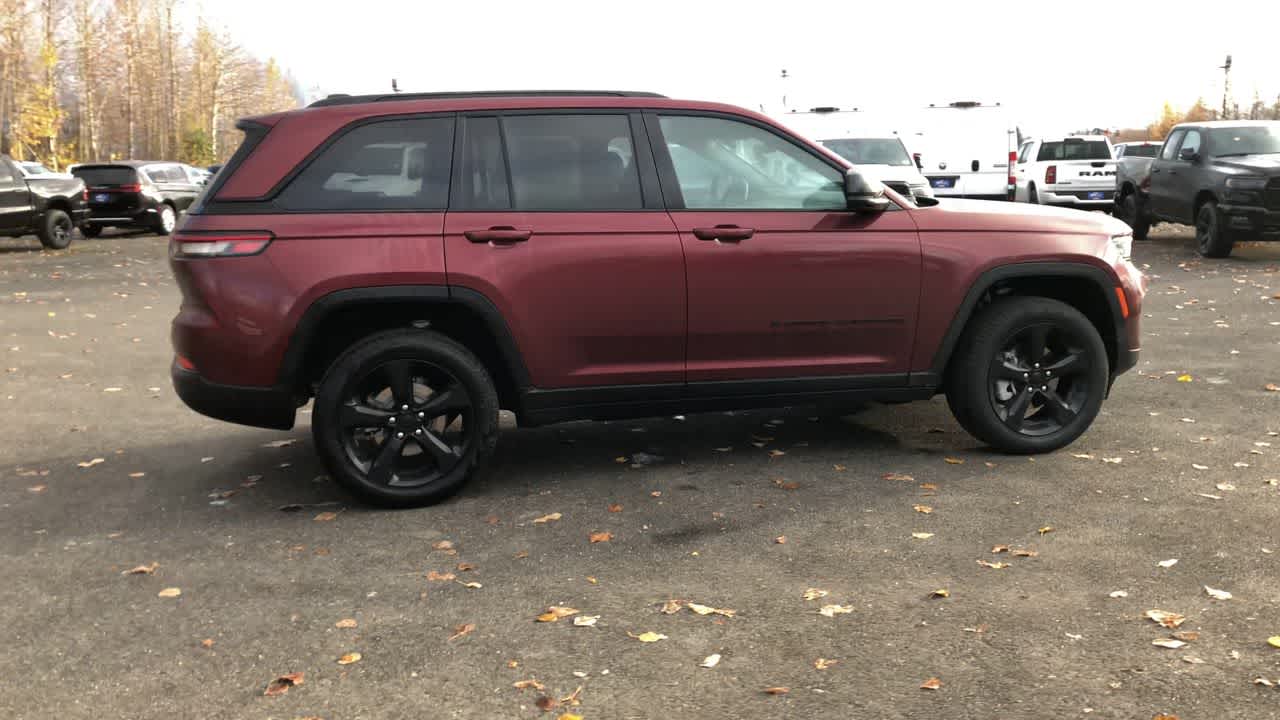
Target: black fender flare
989, 279
324, 306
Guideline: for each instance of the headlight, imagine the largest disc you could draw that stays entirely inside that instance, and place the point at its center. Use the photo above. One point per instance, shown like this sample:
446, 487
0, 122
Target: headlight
1246, 183
1121, 246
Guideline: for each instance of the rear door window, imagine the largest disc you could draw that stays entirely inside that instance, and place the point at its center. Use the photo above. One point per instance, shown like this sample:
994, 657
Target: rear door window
400, 164
571, 162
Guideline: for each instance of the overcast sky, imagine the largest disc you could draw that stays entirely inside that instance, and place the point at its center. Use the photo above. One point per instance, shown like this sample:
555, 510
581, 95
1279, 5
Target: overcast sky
1059, 66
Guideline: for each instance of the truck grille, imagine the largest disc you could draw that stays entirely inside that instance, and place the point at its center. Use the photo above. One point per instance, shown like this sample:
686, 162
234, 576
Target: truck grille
1271, 196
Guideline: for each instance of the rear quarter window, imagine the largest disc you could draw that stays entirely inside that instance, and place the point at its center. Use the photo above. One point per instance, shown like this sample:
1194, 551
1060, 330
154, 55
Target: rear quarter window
399, 164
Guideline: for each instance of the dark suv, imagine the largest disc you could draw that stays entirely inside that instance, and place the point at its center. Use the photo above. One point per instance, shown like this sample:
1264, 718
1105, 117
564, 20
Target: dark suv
135, 194
416, 262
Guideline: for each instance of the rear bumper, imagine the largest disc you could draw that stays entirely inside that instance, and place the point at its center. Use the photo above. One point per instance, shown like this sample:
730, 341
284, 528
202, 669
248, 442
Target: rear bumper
264, 407
1078, 199
107, 218
1250, 222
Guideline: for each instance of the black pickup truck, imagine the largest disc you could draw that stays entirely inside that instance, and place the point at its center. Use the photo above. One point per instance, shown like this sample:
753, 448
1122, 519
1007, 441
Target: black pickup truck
50, 207
1222, 176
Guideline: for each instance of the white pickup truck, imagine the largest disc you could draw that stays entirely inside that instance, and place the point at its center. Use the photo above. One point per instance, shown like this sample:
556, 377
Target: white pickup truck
1078, 171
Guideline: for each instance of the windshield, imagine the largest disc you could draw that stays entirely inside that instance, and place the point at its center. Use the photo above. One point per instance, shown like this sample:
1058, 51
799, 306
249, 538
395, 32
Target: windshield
1248, 140
106, 175
1074, 150
870, 151
1148, 151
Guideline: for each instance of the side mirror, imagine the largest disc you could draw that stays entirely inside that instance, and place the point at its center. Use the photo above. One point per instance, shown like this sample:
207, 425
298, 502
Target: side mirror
1188, 154
864, 195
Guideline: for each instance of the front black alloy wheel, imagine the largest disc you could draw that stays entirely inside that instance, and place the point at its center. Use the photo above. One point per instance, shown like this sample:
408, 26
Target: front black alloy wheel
1212, 240
1029, 375
405, 417
1132, 214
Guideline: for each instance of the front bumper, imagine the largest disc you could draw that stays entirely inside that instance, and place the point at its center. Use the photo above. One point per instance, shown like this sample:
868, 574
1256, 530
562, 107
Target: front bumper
1250, 222
264, 407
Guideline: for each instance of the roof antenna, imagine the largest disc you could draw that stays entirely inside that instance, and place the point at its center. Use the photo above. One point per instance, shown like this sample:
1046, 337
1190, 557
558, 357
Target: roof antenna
395, 87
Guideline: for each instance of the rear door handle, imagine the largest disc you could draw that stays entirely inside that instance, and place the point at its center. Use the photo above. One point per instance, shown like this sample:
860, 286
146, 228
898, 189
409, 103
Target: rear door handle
724, 233
502, 234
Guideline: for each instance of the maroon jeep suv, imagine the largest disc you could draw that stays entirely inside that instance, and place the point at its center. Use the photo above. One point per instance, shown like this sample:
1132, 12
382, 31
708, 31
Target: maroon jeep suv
416, 262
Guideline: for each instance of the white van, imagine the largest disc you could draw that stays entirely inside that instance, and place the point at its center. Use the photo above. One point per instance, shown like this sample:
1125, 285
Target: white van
862, 139
967, 149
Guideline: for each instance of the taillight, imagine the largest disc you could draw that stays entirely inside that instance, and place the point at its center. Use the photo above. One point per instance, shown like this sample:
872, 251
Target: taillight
209, 245
1051, 175
84, 194
1013, 182
185, 362
130, 188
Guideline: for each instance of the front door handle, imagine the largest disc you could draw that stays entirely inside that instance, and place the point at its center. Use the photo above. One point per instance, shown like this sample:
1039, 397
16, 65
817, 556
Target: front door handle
1155, 170
724, 233
501, 234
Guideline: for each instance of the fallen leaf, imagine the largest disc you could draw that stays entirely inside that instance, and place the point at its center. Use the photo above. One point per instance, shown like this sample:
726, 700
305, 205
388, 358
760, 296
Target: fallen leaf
1192, 660
1263, 682
941, 593
993, 565
1185, 378
815, 593
147, 569
997, 549
112, 390
648, 636
346, 623
555, 612
932, 683
1168, 563
921, 535
928, 486
777, 690
172, 592
207, 643
954, 461
1119, 594
1198, 466
90, 463
349, 658
586, 620
441, 577
545, 703
470, 585
1113, 461
710, 661
1045, 530
445, 545
1169, 644
526, 684
326, 516
838, 468
776, 454
1211, 497
1274, 641
569, 716
137, 474
923, 509
599, 537
656, 493
1166, 618
899, 477
1082, 456
465, 567
1024, 553
281, 685
708, 610
547, 518
785, 484
615, 508
279, 443
1271, 387
1188, 635
824, 663
780, 540
671, 607
1217, 594
833, 610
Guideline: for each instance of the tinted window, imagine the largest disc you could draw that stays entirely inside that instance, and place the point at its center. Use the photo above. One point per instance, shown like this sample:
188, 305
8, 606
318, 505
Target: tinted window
1171, 144
572, 162
102, 175
1073, 149
484, 174
1247, 140
1191, 141
1148, 151
870, 151
385, 165
723, 164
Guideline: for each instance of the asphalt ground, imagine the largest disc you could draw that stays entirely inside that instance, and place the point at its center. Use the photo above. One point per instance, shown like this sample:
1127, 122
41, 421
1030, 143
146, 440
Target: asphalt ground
102, 469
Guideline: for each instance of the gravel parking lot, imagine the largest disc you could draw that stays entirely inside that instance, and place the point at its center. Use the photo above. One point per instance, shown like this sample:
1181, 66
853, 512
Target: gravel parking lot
102, 470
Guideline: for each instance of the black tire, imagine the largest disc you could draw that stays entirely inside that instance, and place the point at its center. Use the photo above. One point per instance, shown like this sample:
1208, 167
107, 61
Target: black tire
1033, 197
56, 230
997, 371
363, 396
91, 231
1134, 215
166, 219
1212, 240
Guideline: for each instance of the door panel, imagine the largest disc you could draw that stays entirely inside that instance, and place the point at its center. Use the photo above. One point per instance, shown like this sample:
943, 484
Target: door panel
809, 294
1161, 196
15, 200
591, 298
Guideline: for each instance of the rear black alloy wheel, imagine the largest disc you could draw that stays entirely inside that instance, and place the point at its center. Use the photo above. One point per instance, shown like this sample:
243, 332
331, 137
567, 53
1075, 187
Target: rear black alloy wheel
405, 417
91, 231
166, 219
1039, 381
1131, 213
406, 423
56, 231
1028, 376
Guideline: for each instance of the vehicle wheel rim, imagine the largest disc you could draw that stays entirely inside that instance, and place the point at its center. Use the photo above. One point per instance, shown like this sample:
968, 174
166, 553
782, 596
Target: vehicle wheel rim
406, 423
1040, 380
62, 230
166, 218
1205, 229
